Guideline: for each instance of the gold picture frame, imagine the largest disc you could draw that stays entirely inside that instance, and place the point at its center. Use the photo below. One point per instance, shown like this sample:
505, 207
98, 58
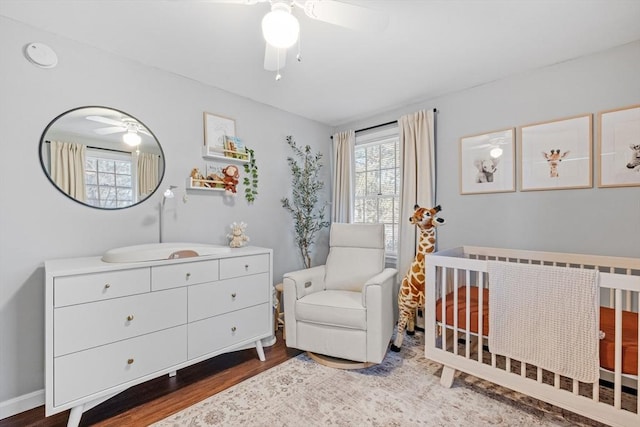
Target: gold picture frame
487, 162
557, 154
619, 147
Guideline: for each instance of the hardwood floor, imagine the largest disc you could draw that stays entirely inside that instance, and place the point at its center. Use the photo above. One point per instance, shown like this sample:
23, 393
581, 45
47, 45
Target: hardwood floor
158, 398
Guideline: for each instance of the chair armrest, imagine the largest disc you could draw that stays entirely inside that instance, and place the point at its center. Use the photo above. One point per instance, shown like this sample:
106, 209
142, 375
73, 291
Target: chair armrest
384, 279
306, 281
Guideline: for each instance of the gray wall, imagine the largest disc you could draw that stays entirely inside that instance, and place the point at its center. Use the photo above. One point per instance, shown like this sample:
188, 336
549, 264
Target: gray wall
594, 221
37, 222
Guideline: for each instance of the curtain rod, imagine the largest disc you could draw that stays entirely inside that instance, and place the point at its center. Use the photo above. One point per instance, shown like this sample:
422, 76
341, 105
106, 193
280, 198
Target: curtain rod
101, 148
378, 126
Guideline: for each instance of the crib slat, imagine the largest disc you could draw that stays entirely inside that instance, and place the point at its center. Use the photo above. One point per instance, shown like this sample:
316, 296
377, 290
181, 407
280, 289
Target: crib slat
493, 360
443, 295
455, 311
638, 376
467, 316
556, 380
576, 387
539, 374
596, 391
480, 325
617, 394
508, 366
628, 295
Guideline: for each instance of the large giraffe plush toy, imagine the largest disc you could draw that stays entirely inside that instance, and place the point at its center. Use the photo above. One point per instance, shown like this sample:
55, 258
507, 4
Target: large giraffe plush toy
411, 293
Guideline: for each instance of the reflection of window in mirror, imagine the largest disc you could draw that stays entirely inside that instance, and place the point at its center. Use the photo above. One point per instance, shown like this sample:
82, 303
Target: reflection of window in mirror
108, 179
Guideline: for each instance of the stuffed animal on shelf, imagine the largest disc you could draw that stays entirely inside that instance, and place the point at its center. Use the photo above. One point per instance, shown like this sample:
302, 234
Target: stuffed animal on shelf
230, 179
237, 236
411, 295
214, 181
197, 178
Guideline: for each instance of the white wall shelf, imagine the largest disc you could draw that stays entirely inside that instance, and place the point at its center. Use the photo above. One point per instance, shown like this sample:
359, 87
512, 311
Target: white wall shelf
194, 184
222, 158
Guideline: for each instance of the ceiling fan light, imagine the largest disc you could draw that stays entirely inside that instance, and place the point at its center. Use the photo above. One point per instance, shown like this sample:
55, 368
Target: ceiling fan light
131, 138
280, 28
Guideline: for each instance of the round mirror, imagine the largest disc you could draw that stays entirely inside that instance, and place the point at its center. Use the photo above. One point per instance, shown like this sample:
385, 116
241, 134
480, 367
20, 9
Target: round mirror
102, 157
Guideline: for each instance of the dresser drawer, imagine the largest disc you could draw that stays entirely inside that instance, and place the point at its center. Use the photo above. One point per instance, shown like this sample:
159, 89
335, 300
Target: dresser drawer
87, 372
212, 299
243, 266
80, 327
216, 333
183, 274
69, 290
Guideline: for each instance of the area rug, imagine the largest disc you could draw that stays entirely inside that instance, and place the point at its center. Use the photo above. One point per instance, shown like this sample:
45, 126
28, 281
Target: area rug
402, 391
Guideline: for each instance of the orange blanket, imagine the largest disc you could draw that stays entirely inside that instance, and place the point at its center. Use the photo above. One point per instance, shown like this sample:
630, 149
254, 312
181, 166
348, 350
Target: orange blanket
607, 325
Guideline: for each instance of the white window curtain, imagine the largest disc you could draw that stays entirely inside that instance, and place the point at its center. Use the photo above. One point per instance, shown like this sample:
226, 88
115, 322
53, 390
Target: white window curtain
148, 165
342, 200
67, 168
417, 150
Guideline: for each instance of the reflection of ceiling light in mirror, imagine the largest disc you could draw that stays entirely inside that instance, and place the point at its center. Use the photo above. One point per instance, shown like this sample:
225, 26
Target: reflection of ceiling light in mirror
279, 27
132, 138
495, 152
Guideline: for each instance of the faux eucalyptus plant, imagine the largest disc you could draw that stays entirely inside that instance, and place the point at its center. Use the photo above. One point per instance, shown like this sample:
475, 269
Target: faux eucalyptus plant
250, 180
305, 208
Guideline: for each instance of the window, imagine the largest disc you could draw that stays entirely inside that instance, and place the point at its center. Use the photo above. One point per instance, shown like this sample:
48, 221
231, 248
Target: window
377, 182
108, 179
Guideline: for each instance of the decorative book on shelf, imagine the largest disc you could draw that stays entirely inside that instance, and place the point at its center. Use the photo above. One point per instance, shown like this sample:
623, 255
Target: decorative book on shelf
234, 148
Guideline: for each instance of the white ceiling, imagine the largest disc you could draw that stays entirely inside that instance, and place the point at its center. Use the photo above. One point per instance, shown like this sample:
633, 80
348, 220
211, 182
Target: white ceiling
430, 47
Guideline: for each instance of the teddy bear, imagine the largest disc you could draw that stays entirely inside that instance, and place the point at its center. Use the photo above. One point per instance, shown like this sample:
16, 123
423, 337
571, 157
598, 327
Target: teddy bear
230, 179
237, 236
486, 168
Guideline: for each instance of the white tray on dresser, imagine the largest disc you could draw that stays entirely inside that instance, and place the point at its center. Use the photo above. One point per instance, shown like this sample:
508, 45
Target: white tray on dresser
110, 326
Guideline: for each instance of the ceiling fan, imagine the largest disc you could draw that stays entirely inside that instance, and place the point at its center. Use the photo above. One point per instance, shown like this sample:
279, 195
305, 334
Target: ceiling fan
281, 29
130, 127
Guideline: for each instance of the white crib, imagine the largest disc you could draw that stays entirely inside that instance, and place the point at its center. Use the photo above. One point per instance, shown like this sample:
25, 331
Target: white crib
456, 346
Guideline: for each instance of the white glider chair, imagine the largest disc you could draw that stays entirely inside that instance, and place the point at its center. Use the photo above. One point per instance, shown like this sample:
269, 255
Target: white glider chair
343, 309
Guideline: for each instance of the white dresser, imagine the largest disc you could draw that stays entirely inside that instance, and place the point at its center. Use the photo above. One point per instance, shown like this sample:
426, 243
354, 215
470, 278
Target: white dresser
109, 326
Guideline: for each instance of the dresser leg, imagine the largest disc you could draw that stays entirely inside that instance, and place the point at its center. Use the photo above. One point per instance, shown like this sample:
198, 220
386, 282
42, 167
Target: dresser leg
260, 351
75, 415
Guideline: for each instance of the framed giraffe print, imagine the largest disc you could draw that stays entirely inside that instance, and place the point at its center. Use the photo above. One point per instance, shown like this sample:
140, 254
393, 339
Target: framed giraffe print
619, 147
487, 162
557, 154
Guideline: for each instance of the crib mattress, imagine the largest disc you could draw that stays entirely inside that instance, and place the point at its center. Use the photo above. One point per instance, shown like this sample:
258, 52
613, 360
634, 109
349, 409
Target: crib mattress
607, 325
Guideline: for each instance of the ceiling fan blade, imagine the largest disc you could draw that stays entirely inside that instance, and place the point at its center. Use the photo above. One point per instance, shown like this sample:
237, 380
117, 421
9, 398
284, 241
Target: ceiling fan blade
110, 130
274, 58
105, 120
346, 15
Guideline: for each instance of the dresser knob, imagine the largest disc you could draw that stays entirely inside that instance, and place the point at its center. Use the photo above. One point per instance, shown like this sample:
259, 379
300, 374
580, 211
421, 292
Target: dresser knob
233, 295
246, 267
233, 329
107, 286
130, 317
129, 361
188, 276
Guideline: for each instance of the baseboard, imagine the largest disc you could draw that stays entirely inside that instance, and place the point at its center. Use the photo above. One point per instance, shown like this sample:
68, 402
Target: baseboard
14, 406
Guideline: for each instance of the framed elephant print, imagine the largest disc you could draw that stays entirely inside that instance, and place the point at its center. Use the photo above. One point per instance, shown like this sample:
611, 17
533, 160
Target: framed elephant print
619, 147
557, 154
487, 162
